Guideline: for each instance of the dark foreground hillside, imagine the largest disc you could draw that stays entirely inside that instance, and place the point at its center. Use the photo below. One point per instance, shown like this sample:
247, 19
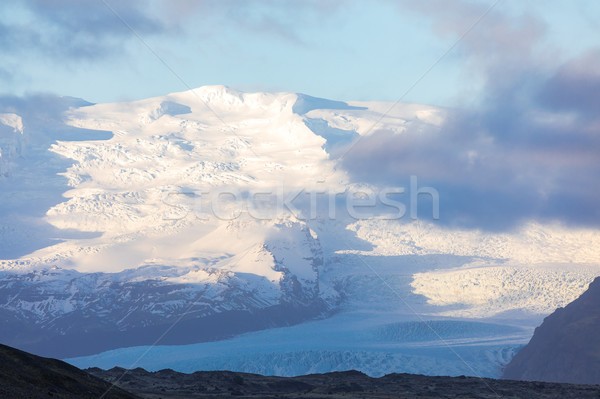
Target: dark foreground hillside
350, 384
566, 347
23, 375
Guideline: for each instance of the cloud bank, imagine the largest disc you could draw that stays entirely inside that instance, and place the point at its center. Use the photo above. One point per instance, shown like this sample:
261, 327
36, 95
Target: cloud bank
529, 151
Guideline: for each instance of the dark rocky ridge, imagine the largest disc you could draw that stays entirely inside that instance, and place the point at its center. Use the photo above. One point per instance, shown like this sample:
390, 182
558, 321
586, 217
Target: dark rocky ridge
23, 375
169, 384
566, 347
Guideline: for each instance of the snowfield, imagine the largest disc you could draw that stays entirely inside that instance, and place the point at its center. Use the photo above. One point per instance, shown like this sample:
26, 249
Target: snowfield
118, 221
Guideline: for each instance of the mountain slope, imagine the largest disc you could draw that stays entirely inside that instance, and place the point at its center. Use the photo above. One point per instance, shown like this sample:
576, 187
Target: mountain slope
566, 347
23, 375
67, 313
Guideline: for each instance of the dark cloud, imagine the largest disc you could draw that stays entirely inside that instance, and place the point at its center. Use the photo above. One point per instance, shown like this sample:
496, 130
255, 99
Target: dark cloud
575, 87
531, 151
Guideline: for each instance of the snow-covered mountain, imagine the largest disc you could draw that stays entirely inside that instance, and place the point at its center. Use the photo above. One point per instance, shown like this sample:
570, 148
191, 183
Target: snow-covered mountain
202, 215
207, 298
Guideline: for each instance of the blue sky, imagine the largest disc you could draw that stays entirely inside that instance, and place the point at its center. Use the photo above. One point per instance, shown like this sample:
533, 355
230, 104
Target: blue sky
336, 49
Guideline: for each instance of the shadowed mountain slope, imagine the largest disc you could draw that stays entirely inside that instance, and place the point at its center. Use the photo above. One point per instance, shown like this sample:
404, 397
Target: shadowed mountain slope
23, 375
566, 347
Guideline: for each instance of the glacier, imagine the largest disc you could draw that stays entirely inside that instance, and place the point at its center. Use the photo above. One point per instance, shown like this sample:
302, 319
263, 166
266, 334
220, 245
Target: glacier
108, 255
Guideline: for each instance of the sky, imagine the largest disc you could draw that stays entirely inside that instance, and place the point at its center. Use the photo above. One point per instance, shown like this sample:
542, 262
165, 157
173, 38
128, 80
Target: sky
521, 82
349, 50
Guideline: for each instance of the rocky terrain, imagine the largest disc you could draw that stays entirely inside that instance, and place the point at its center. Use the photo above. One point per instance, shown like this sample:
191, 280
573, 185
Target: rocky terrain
23, 375
566, 347
348, 384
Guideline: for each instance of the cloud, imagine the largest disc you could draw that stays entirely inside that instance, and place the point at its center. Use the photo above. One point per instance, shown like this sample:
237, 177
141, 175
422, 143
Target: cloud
530, 149
275, 18
71, 28
68, 32
575, 87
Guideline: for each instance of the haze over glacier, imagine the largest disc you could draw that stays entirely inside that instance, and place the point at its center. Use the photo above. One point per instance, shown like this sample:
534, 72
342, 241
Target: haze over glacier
111, 234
